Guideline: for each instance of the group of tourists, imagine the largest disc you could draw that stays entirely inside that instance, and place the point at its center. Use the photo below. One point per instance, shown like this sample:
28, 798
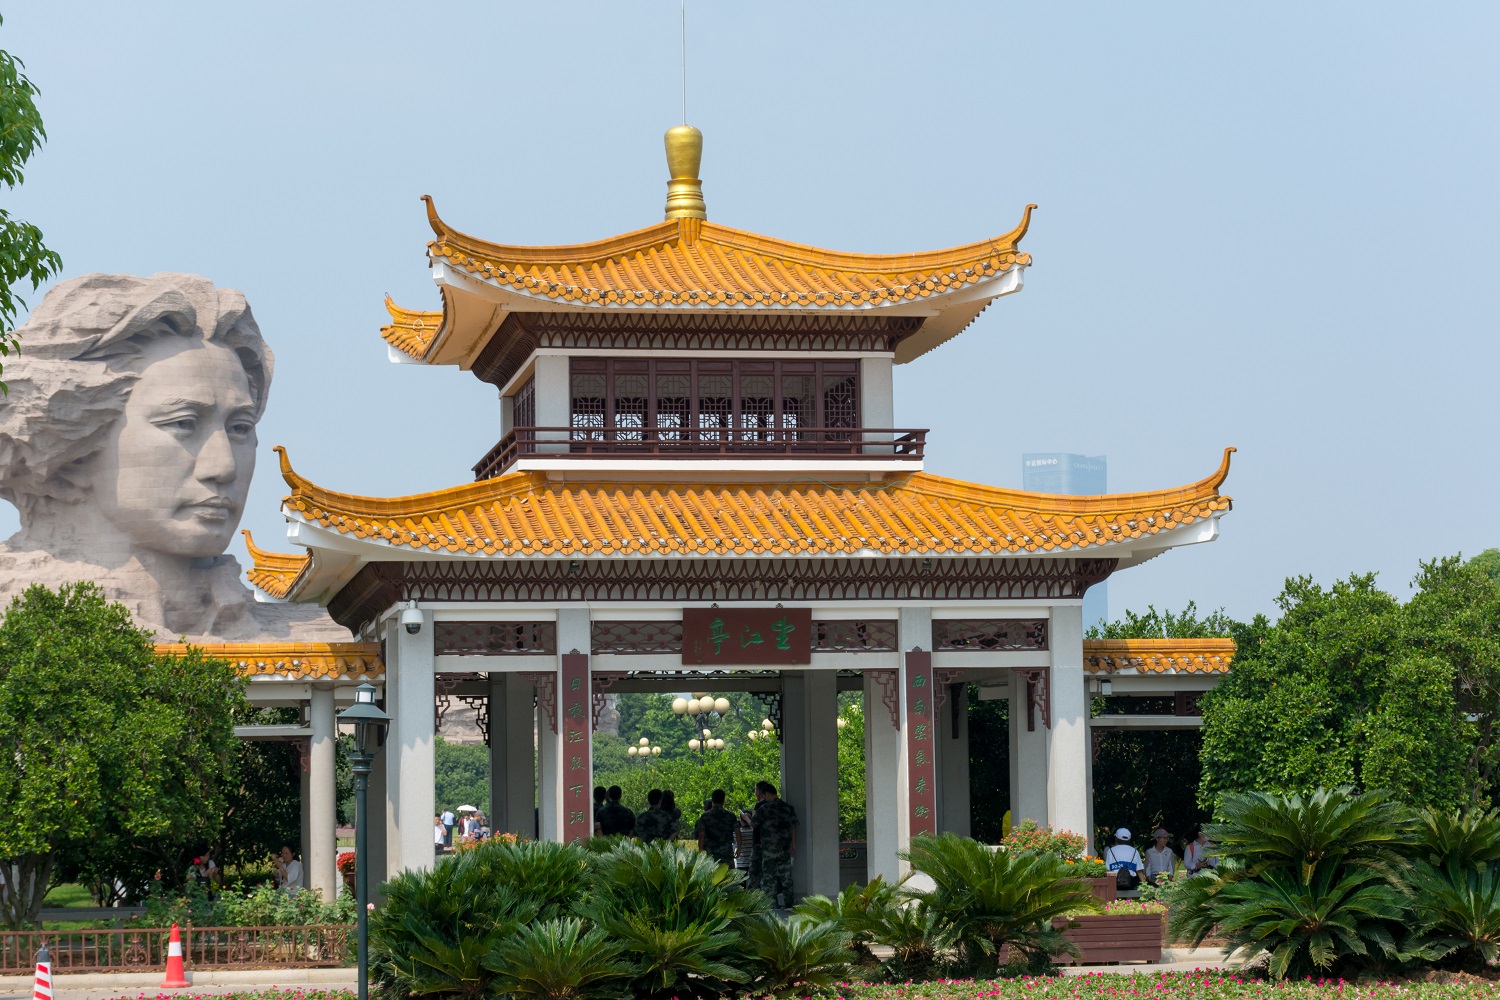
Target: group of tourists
1160, 863
469, 824
760, 841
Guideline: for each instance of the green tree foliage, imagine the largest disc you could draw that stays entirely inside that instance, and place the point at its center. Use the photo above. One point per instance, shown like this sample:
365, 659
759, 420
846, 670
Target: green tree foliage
108, 754
1166, 625
1351, 687
23, 255
461, 772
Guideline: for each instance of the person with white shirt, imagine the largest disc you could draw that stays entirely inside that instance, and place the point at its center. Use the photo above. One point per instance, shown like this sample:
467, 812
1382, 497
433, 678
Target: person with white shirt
1124, 861
289, 870
447, 827
1160, 860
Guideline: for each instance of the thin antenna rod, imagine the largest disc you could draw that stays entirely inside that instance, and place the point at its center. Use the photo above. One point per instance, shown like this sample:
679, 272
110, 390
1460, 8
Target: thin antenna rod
684, 62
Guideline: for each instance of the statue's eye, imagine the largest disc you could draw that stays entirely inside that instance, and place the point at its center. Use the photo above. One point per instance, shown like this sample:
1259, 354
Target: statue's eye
242, 428
185, 424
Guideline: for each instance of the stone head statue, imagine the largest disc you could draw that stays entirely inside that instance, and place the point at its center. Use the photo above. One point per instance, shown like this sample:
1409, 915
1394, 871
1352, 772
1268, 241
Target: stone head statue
127, 443
129, 428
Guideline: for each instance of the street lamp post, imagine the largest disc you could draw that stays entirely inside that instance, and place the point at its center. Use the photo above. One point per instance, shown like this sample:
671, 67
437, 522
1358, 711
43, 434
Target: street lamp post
702, 705
369, 724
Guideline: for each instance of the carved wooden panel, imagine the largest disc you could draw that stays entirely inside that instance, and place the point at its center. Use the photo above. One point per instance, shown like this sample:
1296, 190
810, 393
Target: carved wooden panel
981, 635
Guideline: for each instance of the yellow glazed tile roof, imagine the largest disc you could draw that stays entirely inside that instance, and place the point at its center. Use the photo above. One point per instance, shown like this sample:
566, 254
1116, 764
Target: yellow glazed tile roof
691, 262
523, 514
318, 660
410, 331
273, 572
1156, 656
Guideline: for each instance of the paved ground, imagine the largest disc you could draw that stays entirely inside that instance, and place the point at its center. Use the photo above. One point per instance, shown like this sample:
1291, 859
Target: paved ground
104, 986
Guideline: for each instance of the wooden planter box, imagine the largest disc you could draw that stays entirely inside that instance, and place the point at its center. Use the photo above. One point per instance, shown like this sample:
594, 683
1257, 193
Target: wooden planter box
1113, 937
1105, 889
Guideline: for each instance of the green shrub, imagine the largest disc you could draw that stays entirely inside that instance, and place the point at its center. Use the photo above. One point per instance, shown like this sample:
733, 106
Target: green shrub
918, 940
559, 960
1457, 909
799, 951
989, 899
859, 909
1468, 839
1317, 883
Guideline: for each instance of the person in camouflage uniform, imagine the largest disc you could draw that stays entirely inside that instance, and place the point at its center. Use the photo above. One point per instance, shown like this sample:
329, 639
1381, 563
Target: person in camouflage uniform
671, 808
655, 823
614, 818
715, 830
776, 821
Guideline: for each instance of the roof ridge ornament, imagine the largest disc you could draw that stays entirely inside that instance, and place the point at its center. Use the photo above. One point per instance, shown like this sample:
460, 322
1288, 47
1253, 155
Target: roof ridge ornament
685, 189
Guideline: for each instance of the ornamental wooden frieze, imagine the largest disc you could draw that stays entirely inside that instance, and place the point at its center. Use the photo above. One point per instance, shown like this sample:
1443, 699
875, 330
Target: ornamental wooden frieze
984, 635
379, 586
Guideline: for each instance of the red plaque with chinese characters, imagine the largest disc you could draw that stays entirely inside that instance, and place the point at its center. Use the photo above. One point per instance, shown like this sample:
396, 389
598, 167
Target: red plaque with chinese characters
744, 637
921, 766
575, 720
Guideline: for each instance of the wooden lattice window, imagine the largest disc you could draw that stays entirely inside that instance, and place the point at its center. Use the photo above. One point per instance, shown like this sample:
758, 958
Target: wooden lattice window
523, 405
989, 635
486, 638
637, 637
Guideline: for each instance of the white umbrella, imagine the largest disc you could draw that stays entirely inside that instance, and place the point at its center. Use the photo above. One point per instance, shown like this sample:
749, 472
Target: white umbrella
468, 809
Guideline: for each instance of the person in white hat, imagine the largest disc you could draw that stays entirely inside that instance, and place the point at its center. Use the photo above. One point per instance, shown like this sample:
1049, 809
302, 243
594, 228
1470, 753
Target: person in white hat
1124, 861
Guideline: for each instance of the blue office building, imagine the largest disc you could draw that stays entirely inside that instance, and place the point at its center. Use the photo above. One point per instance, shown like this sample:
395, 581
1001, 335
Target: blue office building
1071, 475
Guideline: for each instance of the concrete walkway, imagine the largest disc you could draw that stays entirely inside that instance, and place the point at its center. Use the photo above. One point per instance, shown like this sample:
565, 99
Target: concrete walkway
102, 985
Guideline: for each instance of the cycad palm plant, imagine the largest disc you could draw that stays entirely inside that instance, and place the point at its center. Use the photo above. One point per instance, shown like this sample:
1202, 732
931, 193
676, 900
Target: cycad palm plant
677, 913
993, 898
1468, 839
559, 960
1458, 911
435, 928
1313, 881
800, 951
859, 909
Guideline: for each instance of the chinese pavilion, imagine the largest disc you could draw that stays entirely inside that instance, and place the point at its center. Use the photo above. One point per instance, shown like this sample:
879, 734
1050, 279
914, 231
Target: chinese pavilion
697, 485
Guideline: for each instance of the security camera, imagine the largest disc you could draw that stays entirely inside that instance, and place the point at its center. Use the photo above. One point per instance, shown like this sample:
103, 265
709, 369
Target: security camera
411, 620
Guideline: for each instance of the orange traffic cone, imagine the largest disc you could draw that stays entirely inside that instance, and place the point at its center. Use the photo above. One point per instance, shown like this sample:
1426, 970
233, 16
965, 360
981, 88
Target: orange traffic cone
175, 980
42, 990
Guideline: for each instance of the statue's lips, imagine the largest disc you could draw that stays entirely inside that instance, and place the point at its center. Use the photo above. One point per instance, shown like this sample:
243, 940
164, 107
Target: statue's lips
215, 510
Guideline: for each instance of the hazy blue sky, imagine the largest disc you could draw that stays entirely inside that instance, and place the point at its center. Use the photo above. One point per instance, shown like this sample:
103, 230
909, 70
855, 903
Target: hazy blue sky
1269, 225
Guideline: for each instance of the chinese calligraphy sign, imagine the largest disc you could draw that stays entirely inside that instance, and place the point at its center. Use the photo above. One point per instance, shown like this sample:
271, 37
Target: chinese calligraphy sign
921, 762
574, 703
746, 636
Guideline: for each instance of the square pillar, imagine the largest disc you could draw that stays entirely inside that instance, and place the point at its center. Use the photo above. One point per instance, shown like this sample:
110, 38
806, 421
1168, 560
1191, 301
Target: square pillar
809, 754
554, 403
1068, 779
882, 768
512, 755
410, 743
1028, 753
304, 828
953, 759
916, 785
320, 851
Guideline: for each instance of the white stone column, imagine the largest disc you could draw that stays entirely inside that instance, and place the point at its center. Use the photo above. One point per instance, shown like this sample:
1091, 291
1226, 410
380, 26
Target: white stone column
548, 756
321, 853
1068, 791
809, 743
1028, 757
554, 401
882, 771
512, 755
877, 404
411, 743
953, 761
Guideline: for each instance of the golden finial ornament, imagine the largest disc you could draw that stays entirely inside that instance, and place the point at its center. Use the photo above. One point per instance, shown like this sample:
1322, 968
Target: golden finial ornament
684, 157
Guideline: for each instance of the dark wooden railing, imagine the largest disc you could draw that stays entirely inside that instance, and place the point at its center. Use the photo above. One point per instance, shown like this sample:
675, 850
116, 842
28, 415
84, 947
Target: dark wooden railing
701, 442
125, 949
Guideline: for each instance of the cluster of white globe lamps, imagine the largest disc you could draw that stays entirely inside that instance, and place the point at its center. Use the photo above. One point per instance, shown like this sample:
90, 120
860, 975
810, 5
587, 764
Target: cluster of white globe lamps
701, 705
644, 750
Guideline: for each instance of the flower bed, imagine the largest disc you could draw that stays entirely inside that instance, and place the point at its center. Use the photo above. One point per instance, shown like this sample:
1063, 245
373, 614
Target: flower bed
1197, 985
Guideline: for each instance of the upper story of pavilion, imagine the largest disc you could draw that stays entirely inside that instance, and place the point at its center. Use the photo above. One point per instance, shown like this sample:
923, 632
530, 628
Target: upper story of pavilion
691, 347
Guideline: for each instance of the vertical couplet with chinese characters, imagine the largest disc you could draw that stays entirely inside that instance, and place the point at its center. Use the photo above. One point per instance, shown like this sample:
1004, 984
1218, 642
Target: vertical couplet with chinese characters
574, 708
921, 767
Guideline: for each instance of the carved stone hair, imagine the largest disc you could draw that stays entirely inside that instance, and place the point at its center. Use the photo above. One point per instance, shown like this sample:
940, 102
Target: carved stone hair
79, 361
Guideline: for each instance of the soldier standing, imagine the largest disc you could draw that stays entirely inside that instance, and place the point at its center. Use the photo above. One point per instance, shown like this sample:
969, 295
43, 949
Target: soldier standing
776, 822
655, 823
615, 819
715, 830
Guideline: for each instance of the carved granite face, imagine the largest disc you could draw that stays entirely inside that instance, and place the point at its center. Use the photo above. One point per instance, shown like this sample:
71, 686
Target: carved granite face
173, 474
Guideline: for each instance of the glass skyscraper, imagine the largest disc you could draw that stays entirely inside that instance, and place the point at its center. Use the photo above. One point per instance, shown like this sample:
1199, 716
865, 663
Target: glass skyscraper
1071, 475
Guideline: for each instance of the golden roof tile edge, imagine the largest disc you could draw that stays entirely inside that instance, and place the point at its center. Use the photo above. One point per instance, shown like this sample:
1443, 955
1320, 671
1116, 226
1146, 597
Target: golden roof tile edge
663, 233
298, 659
410, 331
1194, 656
276, 573
465, 496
